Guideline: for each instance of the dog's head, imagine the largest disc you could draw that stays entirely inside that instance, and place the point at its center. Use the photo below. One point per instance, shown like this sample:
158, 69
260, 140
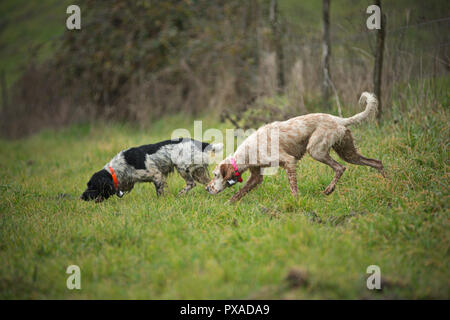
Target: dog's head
201, 160
100, 187
201, 174
224, 177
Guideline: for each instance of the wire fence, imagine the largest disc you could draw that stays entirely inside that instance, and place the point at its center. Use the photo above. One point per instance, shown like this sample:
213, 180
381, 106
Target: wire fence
352, 55
367, 34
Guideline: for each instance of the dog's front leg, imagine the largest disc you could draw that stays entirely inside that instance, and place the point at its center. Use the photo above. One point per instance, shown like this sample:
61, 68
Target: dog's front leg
160, 183
291, 172
255, 178
189, 186
190, 183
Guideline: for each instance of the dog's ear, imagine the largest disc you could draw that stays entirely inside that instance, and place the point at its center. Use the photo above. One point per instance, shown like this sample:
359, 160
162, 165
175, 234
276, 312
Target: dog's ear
227, 171
214, 151
106, 184
108, 188
216, 147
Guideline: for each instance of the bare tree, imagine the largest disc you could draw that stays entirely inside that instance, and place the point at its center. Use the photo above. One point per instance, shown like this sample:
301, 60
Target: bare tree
326, 52
276, 33
377, 70
4, 89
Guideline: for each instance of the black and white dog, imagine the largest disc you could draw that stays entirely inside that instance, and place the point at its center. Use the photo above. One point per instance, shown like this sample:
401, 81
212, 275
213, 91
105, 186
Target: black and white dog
152, 163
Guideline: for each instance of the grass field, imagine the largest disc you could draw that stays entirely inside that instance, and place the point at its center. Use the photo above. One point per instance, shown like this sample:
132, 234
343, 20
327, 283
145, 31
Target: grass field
199, 246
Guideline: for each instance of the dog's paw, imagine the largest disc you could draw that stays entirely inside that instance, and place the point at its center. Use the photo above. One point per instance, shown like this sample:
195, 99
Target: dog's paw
233, 200
329, 190
384, 174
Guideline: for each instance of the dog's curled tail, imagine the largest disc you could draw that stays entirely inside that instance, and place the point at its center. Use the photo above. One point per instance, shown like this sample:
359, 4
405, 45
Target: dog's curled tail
371, 109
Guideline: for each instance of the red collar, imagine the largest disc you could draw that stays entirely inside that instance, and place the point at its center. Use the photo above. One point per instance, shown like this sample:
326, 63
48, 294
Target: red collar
113, 174
236, 172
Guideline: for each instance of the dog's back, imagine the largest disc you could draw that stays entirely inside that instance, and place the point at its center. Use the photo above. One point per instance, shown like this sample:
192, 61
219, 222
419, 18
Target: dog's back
165, 155
315, 130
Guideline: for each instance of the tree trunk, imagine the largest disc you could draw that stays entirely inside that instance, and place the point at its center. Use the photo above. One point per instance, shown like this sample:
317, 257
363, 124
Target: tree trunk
377, 70
274, 21
4, 89
326, 52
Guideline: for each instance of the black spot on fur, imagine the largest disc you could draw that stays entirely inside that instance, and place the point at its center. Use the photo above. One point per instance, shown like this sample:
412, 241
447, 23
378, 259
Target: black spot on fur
136, 156
153, 148
200, 145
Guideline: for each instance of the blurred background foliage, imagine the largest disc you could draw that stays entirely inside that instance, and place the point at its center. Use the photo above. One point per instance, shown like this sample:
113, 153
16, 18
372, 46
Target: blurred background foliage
137, 60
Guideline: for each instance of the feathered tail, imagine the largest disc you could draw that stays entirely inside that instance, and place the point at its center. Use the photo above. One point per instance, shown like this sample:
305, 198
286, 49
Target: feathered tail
371, 109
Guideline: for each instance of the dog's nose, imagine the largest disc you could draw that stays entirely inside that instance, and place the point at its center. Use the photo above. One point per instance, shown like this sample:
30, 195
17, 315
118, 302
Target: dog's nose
84, 196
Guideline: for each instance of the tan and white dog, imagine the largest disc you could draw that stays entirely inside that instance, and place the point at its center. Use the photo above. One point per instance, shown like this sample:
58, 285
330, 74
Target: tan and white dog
313, 133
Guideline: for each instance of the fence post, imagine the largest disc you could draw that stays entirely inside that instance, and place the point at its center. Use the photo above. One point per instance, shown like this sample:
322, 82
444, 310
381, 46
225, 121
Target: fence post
4, 90
326, 52
275, 23
378, 66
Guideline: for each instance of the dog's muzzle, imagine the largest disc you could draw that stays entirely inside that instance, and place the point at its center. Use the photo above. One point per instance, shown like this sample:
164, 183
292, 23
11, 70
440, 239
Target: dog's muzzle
210, 190
88, 195
214, 191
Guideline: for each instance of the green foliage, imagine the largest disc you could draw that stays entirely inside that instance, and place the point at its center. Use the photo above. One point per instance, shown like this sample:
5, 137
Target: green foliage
137, 60
124, 43
261, 111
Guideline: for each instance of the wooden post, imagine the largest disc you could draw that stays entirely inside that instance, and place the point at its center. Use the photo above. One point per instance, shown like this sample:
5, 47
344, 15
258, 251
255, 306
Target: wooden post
378, 66
275, 23
326, 52
4, 89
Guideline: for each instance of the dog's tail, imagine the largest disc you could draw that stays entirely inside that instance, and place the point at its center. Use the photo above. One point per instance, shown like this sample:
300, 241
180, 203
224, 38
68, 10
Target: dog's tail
371, 109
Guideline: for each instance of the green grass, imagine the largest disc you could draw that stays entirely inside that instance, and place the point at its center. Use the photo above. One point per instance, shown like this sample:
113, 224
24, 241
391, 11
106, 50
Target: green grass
199, 246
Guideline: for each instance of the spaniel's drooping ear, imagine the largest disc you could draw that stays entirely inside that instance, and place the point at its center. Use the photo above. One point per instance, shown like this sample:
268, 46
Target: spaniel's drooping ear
227, 171
214, 151
216, 147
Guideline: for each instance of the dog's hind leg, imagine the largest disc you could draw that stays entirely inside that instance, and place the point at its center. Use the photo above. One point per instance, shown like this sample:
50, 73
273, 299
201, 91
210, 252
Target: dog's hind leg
319, 150
346, 150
